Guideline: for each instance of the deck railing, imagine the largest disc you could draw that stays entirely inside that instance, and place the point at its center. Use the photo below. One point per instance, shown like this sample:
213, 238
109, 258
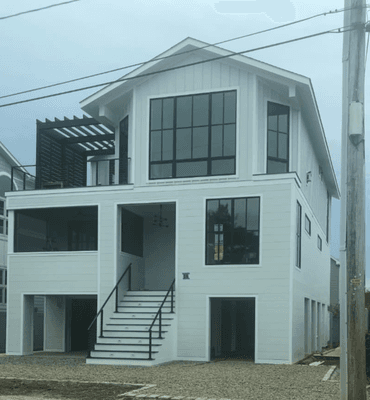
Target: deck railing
69, 175
101, 311
160, 319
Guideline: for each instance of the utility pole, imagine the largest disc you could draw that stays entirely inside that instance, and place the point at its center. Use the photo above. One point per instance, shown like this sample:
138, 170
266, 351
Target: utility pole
352, 241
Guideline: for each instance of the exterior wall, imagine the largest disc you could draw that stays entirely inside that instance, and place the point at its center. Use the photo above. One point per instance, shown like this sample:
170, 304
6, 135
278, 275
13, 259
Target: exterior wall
54, 327
269, 281
315, 192
311, 281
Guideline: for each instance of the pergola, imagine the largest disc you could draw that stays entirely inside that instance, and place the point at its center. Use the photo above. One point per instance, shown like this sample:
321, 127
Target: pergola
63, 146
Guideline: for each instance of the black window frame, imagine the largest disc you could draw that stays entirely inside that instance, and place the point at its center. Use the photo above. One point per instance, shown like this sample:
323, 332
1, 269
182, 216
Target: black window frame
232, 230
284, 110
3, 217
298, 257
207, 162
327, 215
319, 242
3, 286
309, 224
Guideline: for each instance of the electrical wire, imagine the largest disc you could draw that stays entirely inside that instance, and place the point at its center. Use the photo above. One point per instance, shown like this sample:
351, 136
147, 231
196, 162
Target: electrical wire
336, 30
38, 9
178, 54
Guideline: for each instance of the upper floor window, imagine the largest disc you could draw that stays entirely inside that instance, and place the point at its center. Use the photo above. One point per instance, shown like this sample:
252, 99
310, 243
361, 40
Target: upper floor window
193, 135
3, 283
232, 228
319, 242
277, 138
327, 215
298, 236
3, 218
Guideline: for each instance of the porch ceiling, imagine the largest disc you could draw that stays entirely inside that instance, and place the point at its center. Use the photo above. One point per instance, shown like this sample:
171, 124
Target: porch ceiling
84, 135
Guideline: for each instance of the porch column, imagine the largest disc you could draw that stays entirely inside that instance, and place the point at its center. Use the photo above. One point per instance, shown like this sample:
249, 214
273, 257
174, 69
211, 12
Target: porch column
54, 323
27, 334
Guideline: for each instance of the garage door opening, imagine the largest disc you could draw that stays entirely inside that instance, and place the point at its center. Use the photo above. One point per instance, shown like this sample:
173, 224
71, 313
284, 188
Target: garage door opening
232, 328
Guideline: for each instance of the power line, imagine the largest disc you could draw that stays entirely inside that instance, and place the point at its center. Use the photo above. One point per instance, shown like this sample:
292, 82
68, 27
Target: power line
38, 9
336, 30
178, 54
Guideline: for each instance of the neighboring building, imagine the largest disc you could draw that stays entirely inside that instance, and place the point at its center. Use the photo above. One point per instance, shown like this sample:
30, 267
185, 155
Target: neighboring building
334, 302
214, 180
20, 178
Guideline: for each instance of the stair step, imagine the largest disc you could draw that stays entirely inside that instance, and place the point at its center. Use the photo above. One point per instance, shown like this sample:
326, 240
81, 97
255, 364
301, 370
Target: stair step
132, 334
136, 362
144, 303
121, 354
150, 297
125, 346
130, 340
146, 309
137, 321
133, 327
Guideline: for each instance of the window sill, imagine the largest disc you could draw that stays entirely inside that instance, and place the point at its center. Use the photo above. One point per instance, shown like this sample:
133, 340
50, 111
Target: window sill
233, 266
53, 253
202, 179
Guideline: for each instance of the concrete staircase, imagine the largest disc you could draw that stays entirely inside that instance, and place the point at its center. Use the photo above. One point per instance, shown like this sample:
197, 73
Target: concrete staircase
125, 339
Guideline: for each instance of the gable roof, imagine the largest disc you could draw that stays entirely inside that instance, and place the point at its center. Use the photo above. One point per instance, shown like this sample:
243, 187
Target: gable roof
175, 58
8, 156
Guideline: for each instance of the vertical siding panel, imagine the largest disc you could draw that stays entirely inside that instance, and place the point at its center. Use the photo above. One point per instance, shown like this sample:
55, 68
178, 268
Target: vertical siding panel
216, 74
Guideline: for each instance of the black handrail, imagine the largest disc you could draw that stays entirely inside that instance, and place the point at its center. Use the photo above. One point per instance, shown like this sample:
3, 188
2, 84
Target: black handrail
106, 301
160, 319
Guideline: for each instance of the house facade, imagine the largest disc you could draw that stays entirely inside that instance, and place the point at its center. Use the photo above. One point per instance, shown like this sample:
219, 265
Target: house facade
20, 180
202, 176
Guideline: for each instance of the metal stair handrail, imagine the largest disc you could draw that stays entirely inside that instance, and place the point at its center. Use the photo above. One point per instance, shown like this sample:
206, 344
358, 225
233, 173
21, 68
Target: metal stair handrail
160, 319
106, 301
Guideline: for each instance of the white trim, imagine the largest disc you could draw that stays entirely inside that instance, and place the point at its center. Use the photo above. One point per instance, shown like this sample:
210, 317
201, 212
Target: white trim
192, 93
293, 266
209, 325
228, 266
53, 253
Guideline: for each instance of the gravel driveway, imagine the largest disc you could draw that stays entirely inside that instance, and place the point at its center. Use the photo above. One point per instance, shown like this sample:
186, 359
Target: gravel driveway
218, 380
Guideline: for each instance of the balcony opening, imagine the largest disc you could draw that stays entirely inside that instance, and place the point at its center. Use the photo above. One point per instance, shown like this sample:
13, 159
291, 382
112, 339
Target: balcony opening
56, 229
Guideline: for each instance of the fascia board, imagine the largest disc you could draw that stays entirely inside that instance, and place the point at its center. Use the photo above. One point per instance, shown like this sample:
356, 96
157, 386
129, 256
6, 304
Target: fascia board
213, 52
9, 157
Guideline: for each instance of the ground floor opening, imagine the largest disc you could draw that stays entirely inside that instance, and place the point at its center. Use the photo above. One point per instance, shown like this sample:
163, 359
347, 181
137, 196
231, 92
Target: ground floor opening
232, 328
80, 312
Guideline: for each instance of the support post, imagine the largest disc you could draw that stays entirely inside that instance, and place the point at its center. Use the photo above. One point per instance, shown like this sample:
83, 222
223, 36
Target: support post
352, 256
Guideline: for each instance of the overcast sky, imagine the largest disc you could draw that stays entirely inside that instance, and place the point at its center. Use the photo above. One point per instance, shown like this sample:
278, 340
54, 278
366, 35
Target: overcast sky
92, 36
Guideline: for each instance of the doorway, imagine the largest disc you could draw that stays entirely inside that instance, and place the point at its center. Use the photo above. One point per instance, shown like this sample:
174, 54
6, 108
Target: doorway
80, 314
233, 328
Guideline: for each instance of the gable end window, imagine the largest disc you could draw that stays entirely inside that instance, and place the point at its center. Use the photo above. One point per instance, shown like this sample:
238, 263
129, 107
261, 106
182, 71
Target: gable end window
193, 135
307, 225
319, 242
298, 235
277, 138
232, 229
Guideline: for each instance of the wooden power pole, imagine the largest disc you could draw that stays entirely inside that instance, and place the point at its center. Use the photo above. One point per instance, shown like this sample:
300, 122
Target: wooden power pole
352, 279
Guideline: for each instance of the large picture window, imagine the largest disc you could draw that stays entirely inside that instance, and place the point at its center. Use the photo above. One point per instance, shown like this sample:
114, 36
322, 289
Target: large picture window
233, 227
277, 138
193, 135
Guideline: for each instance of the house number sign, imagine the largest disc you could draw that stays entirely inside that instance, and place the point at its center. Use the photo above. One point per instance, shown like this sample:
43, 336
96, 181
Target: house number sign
356, 282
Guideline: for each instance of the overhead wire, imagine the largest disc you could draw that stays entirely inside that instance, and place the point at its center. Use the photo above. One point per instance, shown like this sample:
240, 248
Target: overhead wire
38, 9
336, 30
177, 54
